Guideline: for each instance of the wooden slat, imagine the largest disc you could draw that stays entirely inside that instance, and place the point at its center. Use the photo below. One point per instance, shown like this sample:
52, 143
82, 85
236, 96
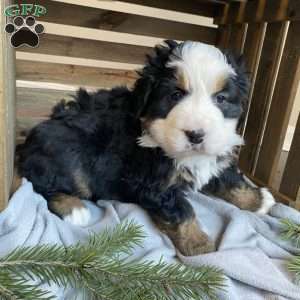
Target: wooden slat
142, 9
265, 11
101, 35
38, 103
281, 106
74, 75
34, 105
223, 36
290, 184
253, 44
262, 92
237, 37
7, 111
67, 60
252, 52
188, 6
69, 14
97, 50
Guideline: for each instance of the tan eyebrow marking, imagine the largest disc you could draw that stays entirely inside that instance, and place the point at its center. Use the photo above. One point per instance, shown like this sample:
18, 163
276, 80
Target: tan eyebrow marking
220, 83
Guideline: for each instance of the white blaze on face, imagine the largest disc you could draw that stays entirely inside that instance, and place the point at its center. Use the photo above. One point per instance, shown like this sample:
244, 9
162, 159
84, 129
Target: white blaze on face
203, 70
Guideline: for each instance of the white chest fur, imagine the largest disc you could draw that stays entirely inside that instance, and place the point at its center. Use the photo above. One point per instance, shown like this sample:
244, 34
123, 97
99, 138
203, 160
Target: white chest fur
200, 169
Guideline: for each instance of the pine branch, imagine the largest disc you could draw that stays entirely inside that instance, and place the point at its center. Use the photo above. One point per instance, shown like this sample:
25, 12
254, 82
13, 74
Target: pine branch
13, 286
294, 266
291, 231
98, 270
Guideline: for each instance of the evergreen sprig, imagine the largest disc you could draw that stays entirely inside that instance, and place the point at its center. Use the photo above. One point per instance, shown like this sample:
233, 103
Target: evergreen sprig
294, 266
100, 269
291, 231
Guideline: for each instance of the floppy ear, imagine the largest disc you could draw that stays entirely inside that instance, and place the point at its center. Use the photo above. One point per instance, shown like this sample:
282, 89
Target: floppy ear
140, 95
154, 68
242, 81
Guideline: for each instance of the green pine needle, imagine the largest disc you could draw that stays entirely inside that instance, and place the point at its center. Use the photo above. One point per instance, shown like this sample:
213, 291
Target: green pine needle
99, 269
294, 266
291, 231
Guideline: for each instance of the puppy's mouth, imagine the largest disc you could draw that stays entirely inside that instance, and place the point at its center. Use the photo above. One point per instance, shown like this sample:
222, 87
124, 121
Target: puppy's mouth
196, 148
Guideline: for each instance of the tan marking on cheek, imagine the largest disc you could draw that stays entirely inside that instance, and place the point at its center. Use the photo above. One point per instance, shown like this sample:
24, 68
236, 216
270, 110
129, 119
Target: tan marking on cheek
63, 204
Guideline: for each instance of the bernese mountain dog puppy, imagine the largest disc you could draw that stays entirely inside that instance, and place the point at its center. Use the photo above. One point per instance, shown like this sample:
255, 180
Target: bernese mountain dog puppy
174, 131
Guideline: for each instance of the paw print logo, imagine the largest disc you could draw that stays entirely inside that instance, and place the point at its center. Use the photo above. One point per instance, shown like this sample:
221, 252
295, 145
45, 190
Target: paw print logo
24, 31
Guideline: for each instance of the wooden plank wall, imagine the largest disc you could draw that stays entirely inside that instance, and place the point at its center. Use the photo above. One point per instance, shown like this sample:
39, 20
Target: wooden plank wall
272, 52
7, 111
100, 44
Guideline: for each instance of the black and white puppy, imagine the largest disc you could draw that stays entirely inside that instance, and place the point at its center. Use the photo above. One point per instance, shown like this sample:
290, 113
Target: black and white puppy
176, 130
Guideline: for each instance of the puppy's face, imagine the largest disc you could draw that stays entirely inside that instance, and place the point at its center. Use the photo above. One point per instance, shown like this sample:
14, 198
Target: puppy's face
194, 99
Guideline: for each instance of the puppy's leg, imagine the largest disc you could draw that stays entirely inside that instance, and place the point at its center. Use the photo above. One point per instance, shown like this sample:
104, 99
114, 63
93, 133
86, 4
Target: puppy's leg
233, 187
69, 208
174, 215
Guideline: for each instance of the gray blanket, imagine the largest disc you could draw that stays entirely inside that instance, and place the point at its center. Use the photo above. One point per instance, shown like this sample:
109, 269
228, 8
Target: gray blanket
250, 250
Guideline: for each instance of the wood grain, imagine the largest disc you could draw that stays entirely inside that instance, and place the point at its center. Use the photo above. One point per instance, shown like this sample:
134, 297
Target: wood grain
74, 75
223, 36
38, 103
281, 107
265, 11
206, 8
81, 48
7, 111
237, 38
252, 53
70, 14
290, 184
262, 92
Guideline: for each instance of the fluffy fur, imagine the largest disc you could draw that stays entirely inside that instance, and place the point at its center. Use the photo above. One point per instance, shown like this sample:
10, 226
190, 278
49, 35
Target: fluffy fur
176, 130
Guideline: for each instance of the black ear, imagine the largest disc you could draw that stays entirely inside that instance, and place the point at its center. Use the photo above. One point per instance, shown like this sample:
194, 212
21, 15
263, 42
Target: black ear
171, 43
140, 95
154, 69
242, 79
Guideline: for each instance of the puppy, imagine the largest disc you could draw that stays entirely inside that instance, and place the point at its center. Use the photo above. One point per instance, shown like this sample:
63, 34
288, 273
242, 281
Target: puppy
175, 131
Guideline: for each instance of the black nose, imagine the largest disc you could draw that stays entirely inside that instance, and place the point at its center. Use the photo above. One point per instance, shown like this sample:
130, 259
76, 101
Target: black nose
195, 136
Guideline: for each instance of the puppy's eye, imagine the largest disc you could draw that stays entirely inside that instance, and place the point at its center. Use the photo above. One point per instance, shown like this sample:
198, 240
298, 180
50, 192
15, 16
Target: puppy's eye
221, 98
177, 95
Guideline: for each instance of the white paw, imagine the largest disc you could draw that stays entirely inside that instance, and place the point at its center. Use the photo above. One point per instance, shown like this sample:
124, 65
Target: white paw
79, 216
267, 202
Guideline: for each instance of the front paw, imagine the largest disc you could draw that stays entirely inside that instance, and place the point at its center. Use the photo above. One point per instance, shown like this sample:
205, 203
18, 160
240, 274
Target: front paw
267, 201
188, 238
200, 244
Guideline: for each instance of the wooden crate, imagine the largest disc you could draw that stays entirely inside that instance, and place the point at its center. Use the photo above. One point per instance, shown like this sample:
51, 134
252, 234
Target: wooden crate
271, 46
99, 43
7, 111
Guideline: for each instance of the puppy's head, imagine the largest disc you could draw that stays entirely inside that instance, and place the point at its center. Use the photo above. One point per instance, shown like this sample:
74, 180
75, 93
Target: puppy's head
189, 99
